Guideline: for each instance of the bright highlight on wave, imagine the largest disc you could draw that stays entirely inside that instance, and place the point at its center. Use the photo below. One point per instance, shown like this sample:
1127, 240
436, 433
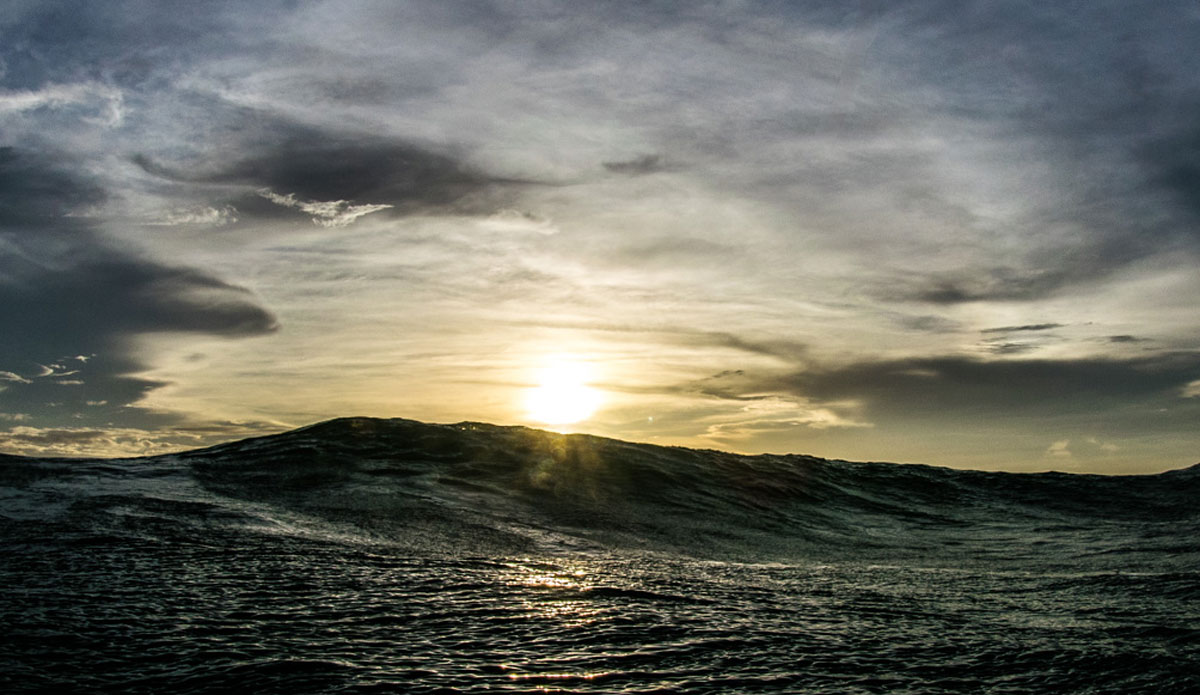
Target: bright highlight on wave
562, 396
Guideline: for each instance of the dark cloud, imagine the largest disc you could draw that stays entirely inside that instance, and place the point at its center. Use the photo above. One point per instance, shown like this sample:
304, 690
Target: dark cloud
927, 323
1126, 339
727, 385
32, 193
991, 285
70, 302
1006, 348
126, 41
1095, 102
1048, 266
110, 293
1113, 239
645, 164
947, 388
1029, 338
1027, 327
790, 350
283, 159
1173, 162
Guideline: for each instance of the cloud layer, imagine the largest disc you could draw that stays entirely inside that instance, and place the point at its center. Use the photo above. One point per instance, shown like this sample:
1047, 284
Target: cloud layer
973, 226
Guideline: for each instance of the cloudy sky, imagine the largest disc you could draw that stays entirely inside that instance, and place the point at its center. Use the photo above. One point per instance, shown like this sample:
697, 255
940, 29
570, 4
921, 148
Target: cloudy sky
963, 234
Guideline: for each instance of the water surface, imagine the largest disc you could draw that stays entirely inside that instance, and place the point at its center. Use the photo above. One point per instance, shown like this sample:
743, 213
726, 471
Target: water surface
392, 556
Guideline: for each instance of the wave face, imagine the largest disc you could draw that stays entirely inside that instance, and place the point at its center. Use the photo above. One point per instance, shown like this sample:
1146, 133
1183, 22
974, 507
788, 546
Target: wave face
473, 487
396, 556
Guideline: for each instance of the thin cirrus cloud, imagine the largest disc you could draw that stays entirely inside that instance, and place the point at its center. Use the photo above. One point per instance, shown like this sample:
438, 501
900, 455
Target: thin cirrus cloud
102, 101
334, 213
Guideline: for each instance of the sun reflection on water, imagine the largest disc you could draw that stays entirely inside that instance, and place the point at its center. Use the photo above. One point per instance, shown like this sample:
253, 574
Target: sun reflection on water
556, 579
556, 593
564, 676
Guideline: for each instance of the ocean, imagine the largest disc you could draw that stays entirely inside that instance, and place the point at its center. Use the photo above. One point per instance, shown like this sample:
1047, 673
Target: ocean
391, 556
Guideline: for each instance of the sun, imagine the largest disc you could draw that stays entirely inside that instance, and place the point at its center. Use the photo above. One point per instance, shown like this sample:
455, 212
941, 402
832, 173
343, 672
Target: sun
562, 396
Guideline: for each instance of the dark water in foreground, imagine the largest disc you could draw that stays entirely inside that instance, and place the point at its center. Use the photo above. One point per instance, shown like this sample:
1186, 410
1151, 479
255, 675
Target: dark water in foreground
392, 556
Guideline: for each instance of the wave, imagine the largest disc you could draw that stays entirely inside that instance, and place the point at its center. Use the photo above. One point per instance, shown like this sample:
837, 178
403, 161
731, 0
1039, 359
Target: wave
391, 555
483, 483
477, 488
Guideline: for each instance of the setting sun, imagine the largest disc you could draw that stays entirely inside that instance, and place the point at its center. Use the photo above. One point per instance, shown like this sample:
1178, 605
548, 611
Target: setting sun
562, 396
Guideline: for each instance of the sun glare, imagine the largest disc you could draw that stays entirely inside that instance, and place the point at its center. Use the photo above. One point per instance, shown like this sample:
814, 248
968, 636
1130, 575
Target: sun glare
562, 396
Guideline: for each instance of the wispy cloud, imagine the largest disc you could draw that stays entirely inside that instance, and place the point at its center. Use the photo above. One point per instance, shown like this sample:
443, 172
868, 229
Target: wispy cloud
335, 213
1026, 327
105, 102
510, 220
203, 216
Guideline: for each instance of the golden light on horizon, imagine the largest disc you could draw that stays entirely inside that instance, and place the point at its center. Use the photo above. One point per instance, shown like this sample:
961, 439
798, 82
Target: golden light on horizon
562, 396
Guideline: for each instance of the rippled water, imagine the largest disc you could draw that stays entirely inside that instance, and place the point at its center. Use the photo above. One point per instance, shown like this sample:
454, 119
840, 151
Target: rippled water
147, 576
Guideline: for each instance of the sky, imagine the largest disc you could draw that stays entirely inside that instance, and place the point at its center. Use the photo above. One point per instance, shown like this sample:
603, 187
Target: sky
956, 233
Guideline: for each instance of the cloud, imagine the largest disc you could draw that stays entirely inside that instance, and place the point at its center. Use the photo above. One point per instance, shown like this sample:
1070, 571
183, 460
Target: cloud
1028, 338
335, 176
113, 293
105, 100
1103, 446
71, 302
9, 376
1008, 348
1028, 327
509, 220
1052, 180
789, 351
998, 284
1173, 160
926, 323
1060, 449
336, 213
756, 414
37, 193
1127, 395
203, 216
770, 414
645, 164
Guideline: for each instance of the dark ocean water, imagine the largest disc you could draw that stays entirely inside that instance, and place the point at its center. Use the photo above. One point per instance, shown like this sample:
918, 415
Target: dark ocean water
392, 556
